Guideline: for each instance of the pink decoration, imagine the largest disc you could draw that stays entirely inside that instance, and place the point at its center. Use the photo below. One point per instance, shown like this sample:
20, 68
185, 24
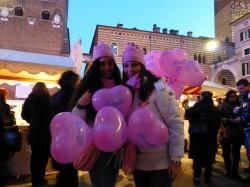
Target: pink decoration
70, 136
145, 130
119, 97
110, 130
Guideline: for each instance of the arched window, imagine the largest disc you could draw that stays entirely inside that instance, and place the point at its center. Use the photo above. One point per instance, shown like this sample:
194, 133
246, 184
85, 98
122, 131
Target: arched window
114, 48
18, 11
199, 58
45, 15
203, 59
195, 57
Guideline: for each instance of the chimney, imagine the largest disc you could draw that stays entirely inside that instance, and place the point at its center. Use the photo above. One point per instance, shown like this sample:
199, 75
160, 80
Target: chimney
119, 25
176, 32
164, 31
172, 31
156, 29
190, 34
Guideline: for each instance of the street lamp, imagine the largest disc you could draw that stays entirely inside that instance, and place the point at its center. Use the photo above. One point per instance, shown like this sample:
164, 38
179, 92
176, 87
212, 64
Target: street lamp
212, 45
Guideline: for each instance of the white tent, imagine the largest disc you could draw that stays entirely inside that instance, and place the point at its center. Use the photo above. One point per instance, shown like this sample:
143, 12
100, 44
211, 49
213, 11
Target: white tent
215, 88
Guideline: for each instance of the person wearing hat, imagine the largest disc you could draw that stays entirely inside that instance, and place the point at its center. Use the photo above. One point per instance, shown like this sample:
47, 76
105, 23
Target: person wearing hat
157, 165
204, 120
102, 73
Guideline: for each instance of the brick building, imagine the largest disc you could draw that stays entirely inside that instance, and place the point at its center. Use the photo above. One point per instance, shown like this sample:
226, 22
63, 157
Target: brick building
157, 39
35, 26
34, 42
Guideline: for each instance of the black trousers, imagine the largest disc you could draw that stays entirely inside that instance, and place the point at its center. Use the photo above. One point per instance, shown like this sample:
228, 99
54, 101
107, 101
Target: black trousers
67, 176
157, 178
39, 159
231, 155
105, 171
199, 164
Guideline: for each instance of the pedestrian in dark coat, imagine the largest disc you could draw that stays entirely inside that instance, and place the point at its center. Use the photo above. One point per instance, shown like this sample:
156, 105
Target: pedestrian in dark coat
37, 112
203, 139
230, 135
7, 119
67, 175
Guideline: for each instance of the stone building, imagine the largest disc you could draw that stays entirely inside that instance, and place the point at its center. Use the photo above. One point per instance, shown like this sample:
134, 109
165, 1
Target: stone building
230, 70
227, 11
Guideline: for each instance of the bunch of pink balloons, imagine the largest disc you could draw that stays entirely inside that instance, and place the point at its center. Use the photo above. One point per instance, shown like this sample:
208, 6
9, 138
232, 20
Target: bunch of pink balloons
176, 68
70, 137
145, 129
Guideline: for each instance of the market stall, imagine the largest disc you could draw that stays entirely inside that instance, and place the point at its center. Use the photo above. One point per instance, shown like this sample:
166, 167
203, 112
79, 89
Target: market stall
19, 71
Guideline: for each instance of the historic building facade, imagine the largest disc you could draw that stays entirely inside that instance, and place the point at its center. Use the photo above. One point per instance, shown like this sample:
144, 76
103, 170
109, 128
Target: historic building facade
227, 11
237, 67
35, 26
195, 47
34, 43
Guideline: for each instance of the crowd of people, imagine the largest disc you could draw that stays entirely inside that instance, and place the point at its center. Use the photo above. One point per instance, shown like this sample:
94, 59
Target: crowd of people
153, 166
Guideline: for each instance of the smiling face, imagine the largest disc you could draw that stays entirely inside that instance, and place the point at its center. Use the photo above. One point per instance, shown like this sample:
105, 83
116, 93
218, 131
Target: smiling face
132, 68
107, 65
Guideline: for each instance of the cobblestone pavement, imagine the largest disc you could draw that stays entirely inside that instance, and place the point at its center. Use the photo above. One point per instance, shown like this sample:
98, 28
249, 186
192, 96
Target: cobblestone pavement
183, 180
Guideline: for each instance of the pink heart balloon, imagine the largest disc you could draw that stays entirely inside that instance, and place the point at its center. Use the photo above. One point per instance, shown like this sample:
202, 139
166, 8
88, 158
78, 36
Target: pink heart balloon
145, 130
119, 97
152, 63
110, 130
70, 136
177, 86
171, 60
191, 73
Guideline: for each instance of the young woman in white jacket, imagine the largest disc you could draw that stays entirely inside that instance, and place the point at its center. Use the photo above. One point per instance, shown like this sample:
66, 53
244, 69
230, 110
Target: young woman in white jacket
158, 165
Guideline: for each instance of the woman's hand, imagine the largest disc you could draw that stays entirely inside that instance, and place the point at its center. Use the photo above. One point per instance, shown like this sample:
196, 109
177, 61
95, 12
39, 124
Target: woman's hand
85, 99
174, 169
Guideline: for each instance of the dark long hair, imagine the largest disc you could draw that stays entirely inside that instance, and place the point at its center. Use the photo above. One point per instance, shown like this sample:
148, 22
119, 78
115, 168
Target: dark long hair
147, 83
92, 82
228, 94
40, 89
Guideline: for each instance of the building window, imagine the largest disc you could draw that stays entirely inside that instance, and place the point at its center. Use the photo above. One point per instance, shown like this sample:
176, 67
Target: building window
199, 59
145, 51
114, 48
18, 11
248, 33
246, 51
203, 59
241, 36
245, 69
195, 57
45, 15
